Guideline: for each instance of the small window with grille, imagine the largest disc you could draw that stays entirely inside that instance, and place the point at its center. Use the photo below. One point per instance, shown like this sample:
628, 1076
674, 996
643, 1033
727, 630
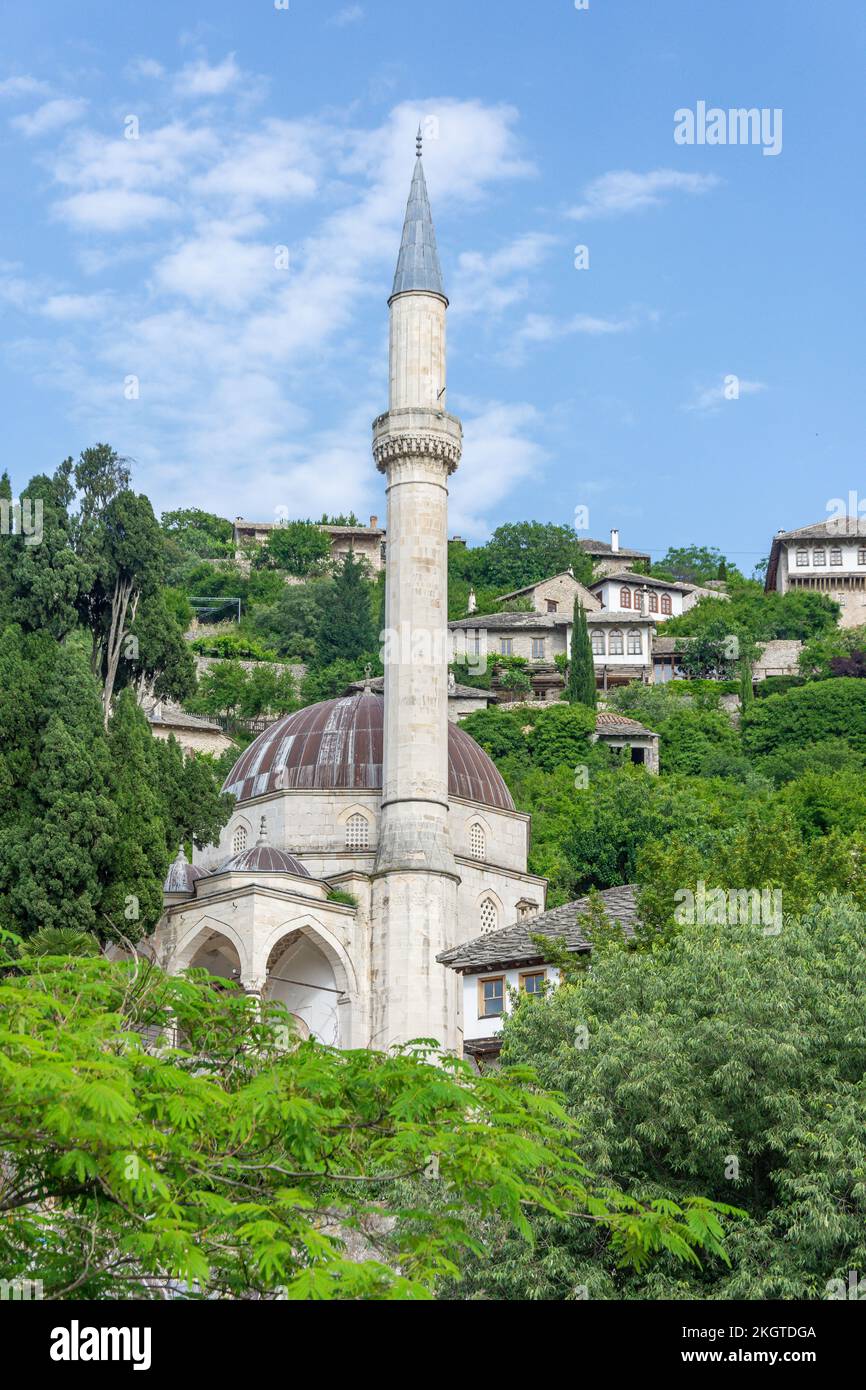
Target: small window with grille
635, 644
802, 557
489, 915
476, 842
357, 831
239, 840
835, 555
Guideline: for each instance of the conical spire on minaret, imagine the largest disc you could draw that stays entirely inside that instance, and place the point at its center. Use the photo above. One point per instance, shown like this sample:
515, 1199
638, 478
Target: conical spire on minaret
418, 265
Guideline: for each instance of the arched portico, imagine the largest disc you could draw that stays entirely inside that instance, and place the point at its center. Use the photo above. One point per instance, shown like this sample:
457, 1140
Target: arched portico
214, 945
307, 969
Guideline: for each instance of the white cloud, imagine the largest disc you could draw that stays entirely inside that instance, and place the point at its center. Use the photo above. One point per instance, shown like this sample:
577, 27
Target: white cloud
623, 191
544, 328
280, 161
490, 283
728, 391
498, 453
224, 344
51, 116
23, 86
74, 306
144, 67
199, 79
350, 14
214, 268
114, 209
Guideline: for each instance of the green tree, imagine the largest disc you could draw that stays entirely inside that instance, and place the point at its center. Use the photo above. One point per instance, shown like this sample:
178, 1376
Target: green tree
520, 553
221, 690
728, 1062
580, 685
100, 475
197, 532
347, 630
46, 580
139, 859
298, 547
56, 847
694, 564
560, 737
155, 655
123, 543
227, 1165
192, 806
834, 708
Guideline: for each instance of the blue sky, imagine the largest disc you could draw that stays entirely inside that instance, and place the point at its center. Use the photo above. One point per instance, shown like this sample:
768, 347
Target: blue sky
548, 128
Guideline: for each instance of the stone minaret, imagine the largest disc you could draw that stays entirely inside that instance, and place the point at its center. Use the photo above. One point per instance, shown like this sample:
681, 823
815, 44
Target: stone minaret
417, 446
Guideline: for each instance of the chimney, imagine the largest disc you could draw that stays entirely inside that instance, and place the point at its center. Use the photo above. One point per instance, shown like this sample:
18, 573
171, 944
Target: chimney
614, 540
374, 522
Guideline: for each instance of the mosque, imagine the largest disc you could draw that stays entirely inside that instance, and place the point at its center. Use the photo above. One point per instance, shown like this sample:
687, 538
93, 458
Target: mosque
370, 834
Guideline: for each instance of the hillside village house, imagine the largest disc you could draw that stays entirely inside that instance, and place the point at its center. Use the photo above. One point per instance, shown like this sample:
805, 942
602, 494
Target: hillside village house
830, 558
610, 556
500, 965
367, 542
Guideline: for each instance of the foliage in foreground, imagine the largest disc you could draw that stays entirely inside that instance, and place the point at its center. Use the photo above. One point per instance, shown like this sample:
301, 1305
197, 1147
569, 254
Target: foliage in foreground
241, 1163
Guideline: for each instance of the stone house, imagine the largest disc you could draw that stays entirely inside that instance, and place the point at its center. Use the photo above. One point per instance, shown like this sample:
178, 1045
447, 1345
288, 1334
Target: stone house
829, 558
624, 734
367, 542
555, 597
610, 557
195, 735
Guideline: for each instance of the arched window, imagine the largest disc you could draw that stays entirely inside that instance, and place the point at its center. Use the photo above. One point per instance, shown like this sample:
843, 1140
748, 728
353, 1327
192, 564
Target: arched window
635, 644
239, 840
614, 643
625, 597
653, 601
597, 640
489, 915
357, 831
666, 603
476, 841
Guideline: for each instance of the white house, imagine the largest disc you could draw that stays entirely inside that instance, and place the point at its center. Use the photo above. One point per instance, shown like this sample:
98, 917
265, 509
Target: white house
498, 966
827, 558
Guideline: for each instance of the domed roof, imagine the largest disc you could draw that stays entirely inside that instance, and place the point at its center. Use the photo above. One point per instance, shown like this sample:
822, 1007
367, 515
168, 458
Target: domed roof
181, 875
266, 859
337, 745
263, 858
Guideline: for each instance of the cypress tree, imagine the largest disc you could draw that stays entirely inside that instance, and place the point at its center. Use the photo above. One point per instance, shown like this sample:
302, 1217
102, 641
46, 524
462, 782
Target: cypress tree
134, 875
347, 628
62, 847
580, 686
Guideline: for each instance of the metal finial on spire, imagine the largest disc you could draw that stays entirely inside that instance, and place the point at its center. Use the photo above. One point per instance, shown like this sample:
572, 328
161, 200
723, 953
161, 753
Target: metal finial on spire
419, 139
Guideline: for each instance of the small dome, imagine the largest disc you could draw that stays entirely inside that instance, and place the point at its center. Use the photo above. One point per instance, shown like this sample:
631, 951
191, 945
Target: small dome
263, 858
337, 745
181, 875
